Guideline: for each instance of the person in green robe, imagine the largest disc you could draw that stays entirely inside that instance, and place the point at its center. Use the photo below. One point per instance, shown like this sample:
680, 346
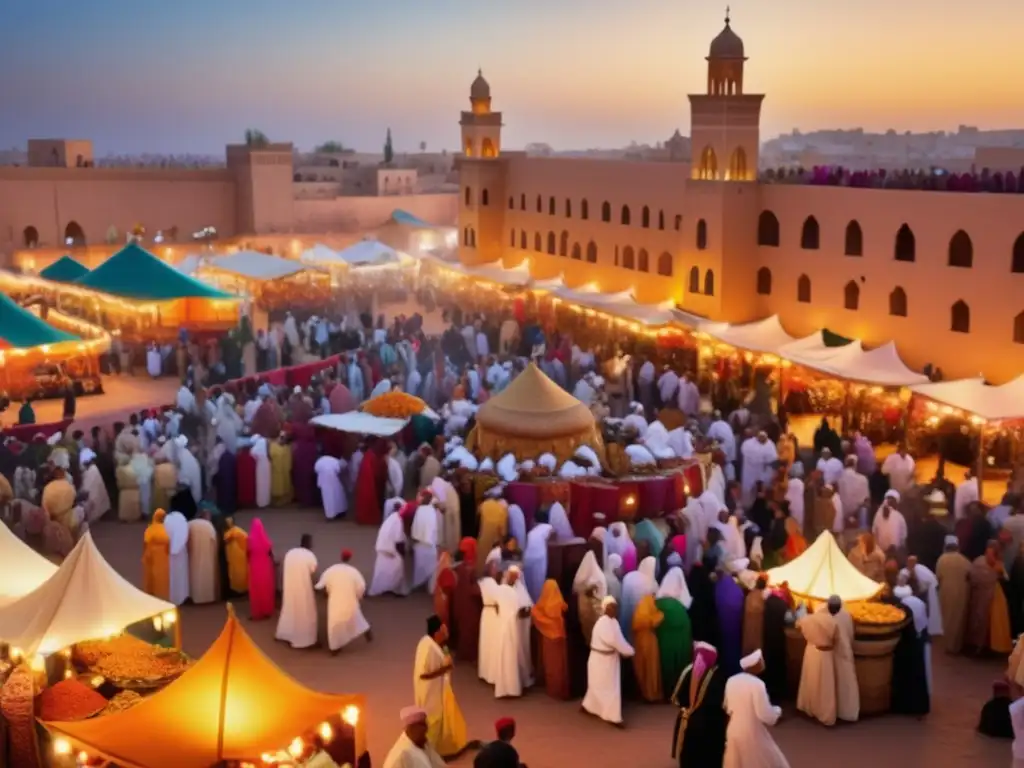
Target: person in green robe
647, 531
675, 638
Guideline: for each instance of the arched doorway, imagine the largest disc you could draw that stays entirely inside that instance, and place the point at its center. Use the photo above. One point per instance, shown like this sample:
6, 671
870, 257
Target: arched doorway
31, 236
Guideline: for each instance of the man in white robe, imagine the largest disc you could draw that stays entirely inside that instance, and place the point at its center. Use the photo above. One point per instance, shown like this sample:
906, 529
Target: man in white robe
890, 527
748, 744
604, 667
328, 479
389, 567
154, 363
795, 494
535, 555
229, 423
899, 468
490, 627
412, 750
847, 690
396, 475
831, 467
759, 454
817, 693
720, 431
928, 590
345, 587
297, 624
668, 383
93, 485
513, 650
854, 491
966, 494
448, 499
203, 560
177, 531
424, 544
189, 472
263, 472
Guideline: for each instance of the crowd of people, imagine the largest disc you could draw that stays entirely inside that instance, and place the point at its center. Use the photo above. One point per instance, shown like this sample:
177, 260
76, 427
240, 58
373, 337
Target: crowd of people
533, 603
934, 180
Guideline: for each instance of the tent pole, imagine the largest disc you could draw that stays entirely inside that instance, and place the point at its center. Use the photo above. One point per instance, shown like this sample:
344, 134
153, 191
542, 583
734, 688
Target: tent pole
980, 472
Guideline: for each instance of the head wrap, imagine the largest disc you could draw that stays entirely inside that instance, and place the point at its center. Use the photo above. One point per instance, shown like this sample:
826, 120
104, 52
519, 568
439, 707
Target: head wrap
346, 554
503, 723
87, 455
893, 494
413, 715
704, 657
902, 592
951, 541
609, 600
751, 660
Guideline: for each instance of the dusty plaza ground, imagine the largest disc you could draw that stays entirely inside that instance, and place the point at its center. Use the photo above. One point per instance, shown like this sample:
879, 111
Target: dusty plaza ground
553, 733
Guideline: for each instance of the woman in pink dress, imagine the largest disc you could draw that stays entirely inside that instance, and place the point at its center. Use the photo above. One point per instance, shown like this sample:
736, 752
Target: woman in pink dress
262, 578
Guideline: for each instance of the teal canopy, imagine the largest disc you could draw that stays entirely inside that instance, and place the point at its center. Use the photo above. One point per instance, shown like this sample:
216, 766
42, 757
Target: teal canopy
135, 273
404, 217
65, 270
21, 329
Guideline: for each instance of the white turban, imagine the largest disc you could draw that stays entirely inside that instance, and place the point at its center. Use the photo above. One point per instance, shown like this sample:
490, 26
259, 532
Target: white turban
609, 600
54, 438
893, 494
751, 660
87, 455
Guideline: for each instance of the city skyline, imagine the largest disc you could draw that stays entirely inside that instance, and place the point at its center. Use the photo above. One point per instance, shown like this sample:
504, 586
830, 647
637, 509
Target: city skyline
189, 78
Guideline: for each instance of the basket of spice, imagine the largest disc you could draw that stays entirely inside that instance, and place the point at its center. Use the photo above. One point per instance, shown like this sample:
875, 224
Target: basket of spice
69, 700
129, 663
121, 701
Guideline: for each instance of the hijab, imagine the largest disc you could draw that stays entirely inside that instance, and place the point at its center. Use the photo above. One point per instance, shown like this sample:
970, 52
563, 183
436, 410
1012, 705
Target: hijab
588, 575
674, 586
548, 611
259, 542
468, 549
705, 656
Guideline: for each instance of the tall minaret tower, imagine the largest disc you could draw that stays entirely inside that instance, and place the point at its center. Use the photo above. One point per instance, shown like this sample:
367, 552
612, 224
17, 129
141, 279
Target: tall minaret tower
725, 131
482, 175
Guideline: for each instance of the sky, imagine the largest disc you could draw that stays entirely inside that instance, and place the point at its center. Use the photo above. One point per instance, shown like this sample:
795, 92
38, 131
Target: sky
190, 76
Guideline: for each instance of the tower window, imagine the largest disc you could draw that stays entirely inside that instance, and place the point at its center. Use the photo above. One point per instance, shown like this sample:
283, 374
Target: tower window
625, 215
679, 222
568, 208
694, 285
540, 205
538, 243
898, 302
709, 283
551, 206
563, 245
511, 203
738, 165
851, 295
702, 235
1017, 257
522, 201
512, 238
854, 244
643, 261
577, 254
768, 229
764, 281
960, 318
708, 167
606, 211
628, 258
1018, 329
803, 289
592, 252
810, 235
665, 264
661, 220
468, 196
584, 209
522, 239
961, 250
485, 198
906, 245
645, 217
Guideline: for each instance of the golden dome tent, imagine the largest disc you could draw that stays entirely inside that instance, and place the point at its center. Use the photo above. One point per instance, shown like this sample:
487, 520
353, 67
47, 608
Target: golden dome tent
822, 571
533, 415
233, 705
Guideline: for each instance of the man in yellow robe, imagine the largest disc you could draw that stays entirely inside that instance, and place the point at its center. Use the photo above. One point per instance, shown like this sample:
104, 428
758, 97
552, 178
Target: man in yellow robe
236, 542
493, 514
59, 500
165, 481
432, 685
156, 558
282, 493
647, 660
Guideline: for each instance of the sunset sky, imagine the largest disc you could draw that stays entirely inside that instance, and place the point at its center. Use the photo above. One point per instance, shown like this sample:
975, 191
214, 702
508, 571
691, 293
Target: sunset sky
192, 75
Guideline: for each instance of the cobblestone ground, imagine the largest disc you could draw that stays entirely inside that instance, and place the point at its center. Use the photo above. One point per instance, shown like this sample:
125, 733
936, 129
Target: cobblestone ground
554, 733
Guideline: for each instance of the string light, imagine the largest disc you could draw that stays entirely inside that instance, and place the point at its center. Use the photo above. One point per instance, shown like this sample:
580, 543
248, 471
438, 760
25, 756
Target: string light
326, 732
61, 746
350, 715
296, 748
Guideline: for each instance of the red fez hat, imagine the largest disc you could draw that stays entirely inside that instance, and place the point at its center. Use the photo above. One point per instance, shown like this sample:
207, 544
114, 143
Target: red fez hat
504, 722
346, 554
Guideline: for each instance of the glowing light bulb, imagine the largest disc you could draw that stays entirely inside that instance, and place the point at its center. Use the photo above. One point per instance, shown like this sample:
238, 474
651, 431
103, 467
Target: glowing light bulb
296, 748
326, 732
350, 714
61, 746
158, 623
169, 617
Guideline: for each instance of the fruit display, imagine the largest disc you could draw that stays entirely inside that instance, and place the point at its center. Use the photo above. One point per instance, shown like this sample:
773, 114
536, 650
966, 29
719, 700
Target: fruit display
69, 700
875, 614
394, 405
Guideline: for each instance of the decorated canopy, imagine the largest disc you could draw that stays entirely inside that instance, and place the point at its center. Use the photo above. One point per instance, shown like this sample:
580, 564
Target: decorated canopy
533, 415
233, 704
135, 273
65, 270
822, 571
1005, 401
22, 569
20, 329
254, 265
85, 599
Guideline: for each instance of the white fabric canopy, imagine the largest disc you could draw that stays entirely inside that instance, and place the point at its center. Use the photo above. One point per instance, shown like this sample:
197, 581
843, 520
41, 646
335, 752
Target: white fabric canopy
22, 569
361, 423
975, 396
822, 571
189, 264
766, 336
368, 253
321, 254
85, 599
882, 366
256, 266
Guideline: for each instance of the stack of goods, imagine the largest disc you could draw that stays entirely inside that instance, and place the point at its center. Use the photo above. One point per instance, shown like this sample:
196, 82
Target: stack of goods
871, 617
394, 405
69, 700
127, 662
877, 629
18, 711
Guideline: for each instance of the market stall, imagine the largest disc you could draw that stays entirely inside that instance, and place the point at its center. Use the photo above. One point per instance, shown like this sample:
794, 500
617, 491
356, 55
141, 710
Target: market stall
231, 706
270, 280
64, 270
22, 568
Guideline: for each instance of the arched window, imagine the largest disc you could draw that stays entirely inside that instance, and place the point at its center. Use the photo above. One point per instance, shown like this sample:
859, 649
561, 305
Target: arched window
540, 204
563, 244
854, 241
694, 280
74, 235
468, 150
487, 148
661, 220
803, 289
764, 281
512, 238
522, 201
1017, 262
551, 243
810, 234
702, 235
738, 165
522, 239
768, 229
538, 243
643, 261
665, 264
577, 253
961, 250
645, 217
465, 236
511, 203
851, 295
592, 252
551, 206
679, 222
485, 198
472, 237
1018, 329
584, 209
628, 259
906, 245
709, 283
606, 211
960, 317
624, 219
31, 237
568, 208
708, 168
469, 196
898, 302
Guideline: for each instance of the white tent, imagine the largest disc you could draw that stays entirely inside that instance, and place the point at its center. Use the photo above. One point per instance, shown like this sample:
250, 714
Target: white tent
85, 599
322, 255
822, 571
368, 253
975, 396
766, 336
813, 352
360, 423
190, 264
882, 366
254, 265
22, 569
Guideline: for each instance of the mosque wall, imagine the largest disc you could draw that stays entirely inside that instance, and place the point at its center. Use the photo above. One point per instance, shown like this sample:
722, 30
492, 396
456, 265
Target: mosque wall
358, 214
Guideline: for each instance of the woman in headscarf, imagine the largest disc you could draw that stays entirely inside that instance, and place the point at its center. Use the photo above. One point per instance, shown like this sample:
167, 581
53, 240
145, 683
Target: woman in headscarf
647, 660
444, 589
560, 522
264, 479
613, 576
635, 586
229, 423
466, 603
675, 637
590, 588
262, 576
826, 437
282, 493
617, 542
226, 478
646, 531
156, 558
698, 739
549, 620
988, 624
236, 544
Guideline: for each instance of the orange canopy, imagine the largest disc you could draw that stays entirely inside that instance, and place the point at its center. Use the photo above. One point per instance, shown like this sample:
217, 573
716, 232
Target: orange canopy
232, 704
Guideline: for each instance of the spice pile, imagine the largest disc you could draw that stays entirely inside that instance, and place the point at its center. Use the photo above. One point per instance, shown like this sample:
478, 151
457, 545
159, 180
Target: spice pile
90, 653
121, 701
127, 661
69, 700
394, 405
875, 614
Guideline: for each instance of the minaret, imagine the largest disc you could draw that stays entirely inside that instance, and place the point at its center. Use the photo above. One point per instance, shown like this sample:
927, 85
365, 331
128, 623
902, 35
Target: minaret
482, 175
725, 131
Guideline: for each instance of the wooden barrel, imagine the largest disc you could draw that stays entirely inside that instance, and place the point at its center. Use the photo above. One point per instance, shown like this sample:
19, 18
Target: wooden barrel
873, 658
795, 647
